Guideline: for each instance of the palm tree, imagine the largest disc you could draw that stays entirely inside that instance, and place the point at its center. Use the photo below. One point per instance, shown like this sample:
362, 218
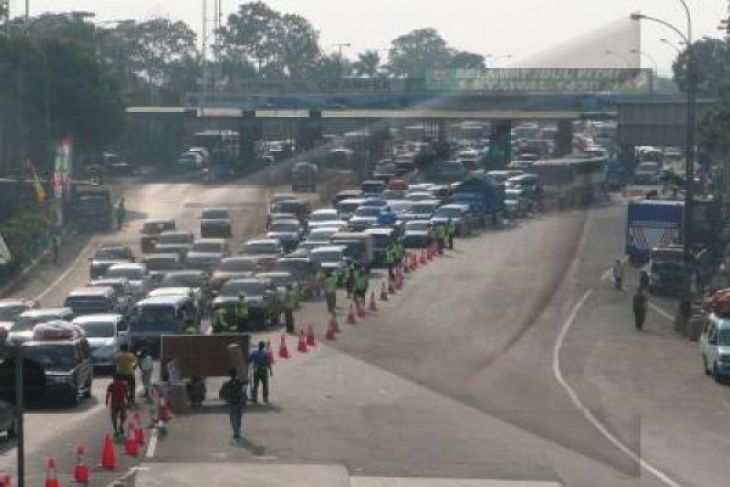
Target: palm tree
367, 64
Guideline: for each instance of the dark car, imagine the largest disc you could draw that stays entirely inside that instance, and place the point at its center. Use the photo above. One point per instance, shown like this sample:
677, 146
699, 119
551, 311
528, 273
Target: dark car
346, 194
11, 308
233, 267
7, 419
174, 242
63, 353
215, 223
264, 308
151, 230
305, 271
159, 264
105, 257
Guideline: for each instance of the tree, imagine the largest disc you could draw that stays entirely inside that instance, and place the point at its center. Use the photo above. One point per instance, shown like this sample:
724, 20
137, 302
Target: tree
254, 33
298, 46
712, 66
413, 53
466, 60
367, 64
333, 66
714, 130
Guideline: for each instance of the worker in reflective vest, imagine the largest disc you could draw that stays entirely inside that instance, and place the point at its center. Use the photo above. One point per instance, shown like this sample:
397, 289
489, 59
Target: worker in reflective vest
242, 313
330, 291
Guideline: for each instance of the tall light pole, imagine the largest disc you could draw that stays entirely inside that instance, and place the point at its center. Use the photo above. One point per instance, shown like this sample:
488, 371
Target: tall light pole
691, 121
649, 57
340, 46
671, 44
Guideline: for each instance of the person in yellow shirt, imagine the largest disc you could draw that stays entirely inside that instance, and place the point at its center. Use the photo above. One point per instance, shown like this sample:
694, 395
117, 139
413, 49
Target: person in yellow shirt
126, 363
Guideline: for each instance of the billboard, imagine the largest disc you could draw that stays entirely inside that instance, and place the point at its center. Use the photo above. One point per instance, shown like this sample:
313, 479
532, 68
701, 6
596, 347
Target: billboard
541, 80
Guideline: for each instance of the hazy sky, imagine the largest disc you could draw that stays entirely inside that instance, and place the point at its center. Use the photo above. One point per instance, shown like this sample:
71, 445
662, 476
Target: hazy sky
517, 27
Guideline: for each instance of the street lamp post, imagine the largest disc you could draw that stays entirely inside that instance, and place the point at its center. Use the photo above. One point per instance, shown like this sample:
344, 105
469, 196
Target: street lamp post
339, 47
650, 58
672, 45
691, 121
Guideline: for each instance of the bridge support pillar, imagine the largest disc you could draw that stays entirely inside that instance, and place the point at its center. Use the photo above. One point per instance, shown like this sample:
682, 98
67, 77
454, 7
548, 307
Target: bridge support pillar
310, 132
500, 144
564, 138
251, 130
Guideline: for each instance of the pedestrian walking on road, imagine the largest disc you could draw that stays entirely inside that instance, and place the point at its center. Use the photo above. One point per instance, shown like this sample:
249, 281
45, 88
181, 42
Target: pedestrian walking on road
644, 280
350, 279
233, 392
641, 306
126, 363
121, 214
260, 360
146, 365
117, 400
55, 247
451, 233
618, 274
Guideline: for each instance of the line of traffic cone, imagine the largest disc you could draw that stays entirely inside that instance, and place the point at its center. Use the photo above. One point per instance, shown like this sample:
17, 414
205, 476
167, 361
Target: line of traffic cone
81, 470
302, 344
310, 337
333, 323
5, 480
283, 349
383, 291
51, 477
139, 434
163, 410
359, 306
330, 334
423, 258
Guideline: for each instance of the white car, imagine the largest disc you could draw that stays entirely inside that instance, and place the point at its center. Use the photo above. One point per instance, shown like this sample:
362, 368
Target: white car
715, 347
106, 333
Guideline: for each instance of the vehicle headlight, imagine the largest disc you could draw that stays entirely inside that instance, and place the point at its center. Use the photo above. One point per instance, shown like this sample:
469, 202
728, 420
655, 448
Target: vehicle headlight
58, 378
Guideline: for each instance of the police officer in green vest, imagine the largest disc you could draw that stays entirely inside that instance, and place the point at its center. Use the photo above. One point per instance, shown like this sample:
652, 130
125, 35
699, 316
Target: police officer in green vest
390, 258
289, 305
330, 291
440, 238
350, 279
451, 232
220, 322
361, 284
242, 313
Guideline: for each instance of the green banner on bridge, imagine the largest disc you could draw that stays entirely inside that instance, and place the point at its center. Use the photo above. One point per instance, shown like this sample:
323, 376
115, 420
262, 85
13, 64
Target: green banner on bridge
540, 80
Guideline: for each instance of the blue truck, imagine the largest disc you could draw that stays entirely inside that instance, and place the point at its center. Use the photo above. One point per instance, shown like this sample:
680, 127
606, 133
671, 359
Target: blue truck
652, 223
484, 196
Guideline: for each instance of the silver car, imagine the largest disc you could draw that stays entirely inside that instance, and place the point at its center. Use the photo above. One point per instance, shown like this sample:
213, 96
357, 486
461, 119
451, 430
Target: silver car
106, 333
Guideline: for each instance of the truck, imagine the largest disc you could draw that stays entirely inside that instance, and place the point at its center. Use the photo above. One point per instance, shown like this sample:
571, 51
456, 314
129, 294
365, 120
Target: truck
91, 206
485, 198
652, 223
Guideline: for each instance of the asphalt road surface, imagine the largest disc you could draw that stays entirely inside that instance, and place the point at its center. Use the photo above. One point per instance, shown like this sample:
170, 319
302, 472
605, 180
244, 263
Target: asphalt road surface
509, 358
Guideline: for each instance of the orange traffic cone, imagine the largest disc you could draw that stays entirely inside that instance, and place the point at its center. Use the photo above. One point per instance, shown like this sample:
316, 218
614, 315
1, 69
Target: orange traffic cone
360, 307
81, 470
5, 480
283, 350
330, 334
391, 287
423, 256
383, 291
108, 460
373, 305
163, 411
139, 435
333, 323
131, 447
51, 479
351, 315
310, 336
302, 345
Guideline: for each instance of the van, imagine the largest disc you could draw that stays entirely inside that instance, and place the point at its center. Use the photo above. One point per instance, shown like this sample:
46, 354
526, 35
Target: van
358, 246
162, 315
91, 300
715, 347
382, 238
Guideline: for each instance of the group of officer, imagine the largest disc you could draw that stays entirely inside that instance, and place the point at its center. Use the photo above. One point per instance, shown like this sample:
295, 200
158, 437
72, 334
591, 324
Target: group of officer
222, 322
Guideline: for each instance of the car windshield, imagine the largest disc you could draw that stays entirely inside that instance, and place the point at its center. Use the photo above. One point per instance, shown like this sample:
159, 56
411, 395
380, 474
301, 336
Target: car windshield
174, 238
284, 227
214, 215
160, 263
348, 206
98, 329
52, 357
238, 265
417, 226
216, 247
448, 212
329, 256
9, 313
368, 211
183, 280
323, 217
26, 323
131, 273
250, 288
151, 313
261, 248
110, 254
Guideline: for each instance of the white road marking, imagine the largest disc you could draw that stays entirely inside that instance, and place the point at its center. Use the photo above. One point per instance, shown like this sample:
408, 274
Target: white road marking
664, 478
64, 274
152, 445
606, 275
664, 313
